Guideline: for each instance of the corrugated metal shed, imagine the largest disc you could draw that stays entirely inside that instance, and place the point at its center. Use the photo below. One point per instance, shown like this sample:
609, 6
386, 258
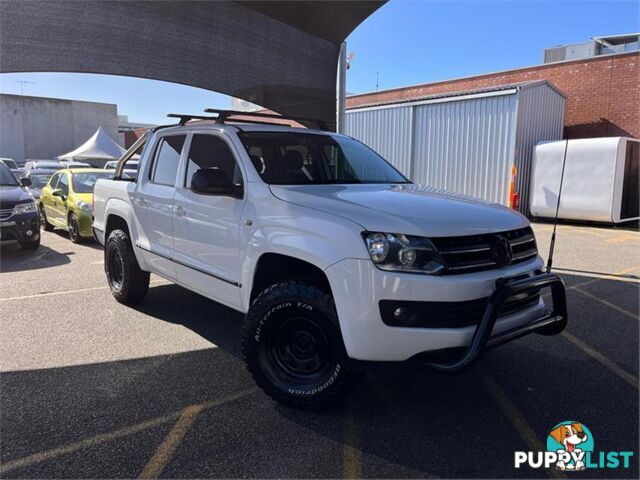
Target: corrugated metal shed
467, 141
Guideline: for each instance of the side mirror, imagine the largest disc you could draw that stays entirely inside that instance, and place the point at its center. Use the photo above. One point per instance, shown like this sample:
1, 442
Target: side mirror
26, 182
58, 193
213, 181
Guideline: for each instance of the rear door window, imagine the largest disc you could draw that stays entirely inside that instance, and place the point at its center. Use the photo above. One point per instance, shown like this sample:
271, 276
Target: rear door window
63, 184
165, 165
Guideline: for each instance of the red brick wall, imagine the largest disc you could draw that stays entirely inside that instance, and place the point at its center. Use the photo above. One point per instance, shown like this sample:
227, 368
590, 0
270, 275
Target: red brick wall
603, 93
131, 136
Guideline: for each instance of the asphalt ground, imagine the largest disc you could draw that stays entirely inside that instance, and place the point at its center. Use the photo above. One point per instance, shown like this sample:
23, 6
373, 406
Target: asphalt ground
93, 389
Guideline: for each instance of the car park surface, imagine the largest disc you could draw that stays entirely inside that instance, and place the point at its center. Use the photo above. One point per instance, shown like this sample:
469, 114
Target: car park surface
91, 388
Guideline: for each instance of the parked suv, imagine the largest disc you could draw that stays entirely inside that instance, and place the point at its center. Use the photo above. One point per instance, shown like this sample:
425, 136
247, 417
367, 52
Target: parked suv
333, 255
19, 220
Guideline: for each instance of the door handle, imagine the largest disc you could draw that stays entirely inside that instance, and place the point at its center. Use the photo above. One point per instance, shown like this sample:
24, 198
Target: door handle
142, 202
179, 211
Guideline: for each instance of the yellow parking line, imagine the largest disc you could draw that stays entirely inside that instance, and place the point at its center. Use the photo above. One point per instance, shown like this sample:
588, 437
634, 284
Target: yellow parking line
114, 435
608, 304
624, 238
516, 419
596, 277
352, 457
167, 448
89, 442
620, 372
66, 292
589, 231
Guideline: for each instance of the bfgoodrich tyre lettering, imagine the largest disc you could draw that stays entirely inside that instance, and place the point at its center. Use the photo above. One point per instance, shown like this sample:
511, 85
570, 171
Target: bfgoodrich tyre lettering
293, 348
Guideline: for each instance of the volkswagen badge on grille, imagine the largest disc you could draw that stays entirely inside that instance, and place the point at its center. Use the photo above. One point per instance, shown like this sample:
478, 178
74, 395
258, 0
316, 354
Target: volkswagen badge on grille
501, 251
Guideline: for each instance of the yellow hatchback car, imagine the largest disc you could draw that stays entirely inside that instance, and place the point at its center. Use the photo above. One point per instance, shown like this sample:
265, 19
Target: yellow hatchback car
67, 201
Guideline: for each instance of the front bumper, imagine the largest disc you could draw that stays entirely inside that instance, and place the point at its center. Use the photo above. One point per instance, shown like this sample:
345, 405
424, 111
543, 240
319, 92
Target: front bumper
358, 286
20, 228
85, 221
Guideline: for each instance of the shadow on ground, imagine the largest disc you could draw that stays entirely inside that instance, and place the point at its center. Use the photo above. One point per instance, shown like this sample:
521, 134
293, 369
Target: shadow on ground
14, 259
401, 420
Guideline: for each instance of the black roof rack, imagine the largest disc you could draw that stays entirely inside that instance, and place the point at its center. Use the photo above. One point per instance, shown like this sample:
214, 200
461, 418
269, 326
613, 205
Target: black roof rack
229, 114
185, 117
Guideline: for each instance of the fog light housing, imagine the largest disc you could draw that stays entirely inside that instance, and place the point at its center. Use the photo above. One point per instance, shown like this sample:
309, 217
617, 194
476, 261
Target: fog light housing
401, 314
29, 233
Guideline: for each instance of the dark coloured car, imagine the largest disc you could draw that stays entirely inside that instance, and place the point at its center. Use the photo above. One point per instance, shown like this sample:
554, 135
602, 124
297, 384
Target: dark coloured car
19, 218
39, 179
11, 163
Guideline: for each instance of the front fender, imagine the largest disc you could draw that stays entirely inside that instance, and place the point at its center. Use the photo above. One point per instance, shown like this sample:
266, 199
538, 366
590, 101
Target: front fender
321, 246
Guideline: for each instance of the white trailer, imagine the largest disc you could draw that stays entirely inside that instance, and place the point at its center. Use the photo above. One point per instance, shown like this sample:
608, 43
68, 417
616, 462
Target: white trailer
600, 180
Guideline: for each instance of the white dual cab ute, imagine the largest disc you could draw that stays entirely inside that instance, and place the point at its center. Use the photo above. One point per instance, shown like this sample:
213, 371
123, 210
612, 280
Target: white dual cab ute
333, 256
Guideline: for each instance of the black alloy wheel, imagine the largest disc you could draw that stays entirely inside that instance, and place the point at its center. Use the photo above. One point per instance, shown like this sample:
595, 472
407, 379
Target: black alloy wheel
74, 229
298, 351
115, 270
127, 281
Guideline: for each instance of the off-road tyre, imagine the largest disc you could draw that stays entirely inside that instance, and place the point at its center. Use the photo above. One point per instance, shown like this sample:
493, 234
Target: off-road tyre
128, 283
46, 226
293, 348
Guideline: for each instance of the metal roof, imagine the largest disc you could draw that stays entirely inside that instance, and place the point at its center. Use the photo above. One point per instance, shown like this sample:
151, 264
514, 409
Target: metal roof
475, 93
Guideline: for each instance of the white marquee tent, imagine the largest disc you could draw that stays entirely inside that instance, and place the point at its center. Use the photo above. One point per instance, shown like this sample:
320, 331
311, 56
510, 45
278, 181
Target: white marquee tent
98, 150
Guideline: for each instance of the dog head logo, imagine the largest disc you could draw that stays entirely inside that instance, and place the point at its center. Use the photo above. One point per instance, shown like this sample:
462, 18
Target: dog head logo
570, 440
569, 435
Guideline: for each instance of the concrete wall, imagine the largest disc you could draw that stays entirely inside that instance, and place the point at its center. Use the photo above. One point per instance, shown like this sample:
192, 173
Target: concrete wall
43, 128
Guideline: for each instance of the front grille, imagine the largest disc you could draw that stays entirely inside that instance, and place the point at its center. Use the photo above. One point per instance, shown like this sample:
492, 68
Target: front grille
6, 213
482, 252
452, 314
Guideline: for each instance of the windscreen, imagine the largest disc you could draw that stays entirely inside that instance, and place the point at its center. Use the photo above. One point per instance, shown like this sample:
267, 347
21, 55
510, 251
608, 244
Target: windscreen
7, 178
292, 158
84, 182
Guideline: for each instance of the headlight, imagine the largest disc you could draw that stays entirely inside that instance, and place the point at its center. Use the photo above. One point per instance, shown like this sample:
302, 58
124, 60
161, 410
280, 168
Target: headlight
27, 207
84, 206
404, 253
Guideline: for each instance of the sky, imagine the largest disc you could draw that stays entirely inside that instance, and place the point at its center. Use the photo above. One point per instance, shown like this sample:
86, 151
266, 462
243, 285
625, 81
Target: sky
406, 42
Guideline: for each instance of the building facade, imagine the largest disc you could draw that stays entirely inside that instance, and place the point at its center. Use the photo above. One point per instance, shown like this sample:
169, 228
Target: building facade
43, 128
602, 92
478, 143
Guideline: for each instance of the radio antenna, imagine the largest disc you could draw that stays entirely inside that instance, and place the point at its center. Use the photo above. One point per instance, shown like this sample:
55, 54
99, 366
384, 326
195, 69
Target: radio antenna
555, 221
